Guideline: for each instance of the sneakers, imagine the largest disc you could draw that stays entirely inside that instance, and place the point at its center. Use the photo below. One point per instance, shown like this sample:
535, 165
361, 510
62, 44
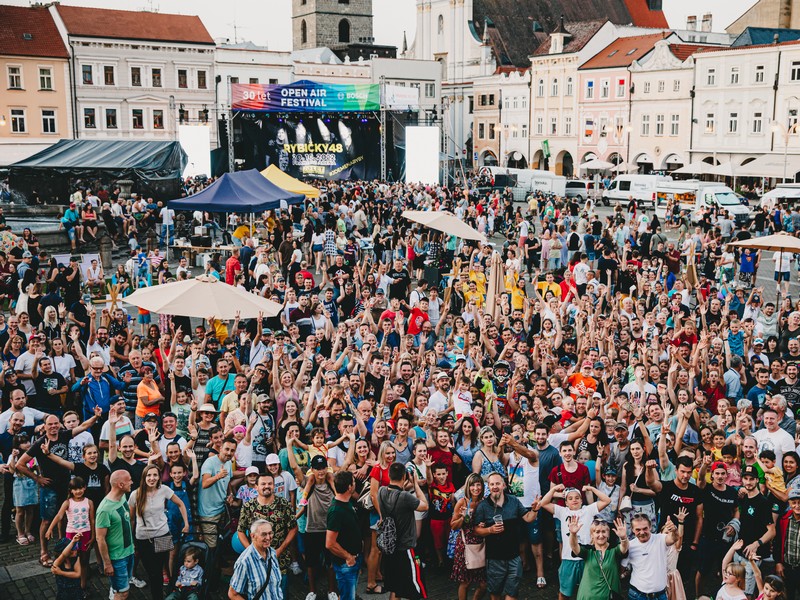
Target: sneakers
311, 596
111, 593
332, 596
136, 582
295, 568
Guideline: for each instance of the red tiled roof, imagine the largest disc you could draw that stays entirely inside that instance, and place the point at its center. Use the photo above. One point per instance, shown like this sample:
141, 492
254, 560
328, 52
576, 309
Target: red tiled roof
644, 16
684, 51
131, 25
21, 22
623, 51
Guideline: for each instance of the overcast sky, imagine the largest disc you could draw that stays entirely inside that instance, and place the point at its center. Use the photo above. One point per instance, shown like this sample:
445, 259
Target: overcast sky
266, 22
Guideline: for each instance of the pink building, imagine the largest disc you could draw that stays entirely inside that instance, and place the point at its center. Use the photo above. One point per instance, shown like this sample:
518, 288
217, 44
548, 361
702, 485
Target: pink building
605, 95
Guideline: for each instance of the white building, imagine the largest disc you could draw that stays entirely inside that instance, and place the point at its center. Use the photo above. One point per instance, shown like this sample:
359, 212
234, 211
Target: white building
138, 75
501, 119
246, 62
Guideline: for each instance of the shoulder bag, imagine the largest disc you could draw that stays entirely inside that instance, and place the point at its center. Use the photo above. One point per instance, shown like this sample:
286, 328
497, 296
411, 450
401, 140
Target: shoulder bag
474, 554
612, 595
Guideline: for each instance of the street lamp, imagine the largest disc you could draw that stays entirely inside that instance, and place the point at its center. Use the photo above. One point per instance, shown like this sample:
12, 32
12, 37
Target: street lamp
786, 132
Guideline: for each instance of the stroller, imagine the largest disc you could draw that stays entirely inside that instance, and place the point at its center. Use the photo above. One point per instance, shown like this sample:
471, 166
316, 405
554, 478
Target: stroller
207, 562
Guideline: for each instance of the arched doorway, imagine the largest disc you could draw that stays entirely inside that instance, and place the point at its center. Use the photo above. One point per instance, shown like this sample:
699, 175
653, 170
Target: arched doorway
538, 160
615, 159
564, 164
488, 159
645, 163
672, 162
517, 161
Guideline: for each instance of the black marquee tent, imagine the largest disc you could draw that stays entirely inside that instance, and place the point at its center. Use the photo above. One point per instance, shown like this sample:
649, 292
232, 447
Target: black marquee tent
155, 168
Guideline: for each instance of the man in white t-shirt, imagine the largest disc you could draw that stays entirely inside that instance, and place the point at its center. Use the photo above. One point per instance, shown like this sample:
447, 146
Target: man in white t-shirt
647, 557
440, 399
772, 437
167, 224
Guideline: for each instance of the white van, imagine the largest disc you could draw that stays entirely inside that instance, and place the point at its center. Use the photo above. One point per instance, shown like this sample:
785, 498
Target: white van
695, 197
531, 180
784, 193
584, 189
640, 187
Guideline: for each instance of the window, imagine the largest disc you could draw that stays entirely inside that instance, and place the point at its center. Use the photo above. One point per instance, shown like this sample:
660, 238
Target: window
734, 75
604, 89
620, 88
303, 31
524, 133
18, 120
554, 87
795, 70
201, 80
553, 125
514, 132
757, 122
482, 100
440, 25
158, 119
344, 1
471, 104
645, 124
760, 74
588, 130
674, 124
676, 85
156, 77
48, 120
711, 123
108, 75
430, 90
183, 78
136, 76
506, 102
45, 78
254, 80
87, 76
111, 118
733, 122
481, 131
646, 87
660, 86
491, 99
15, 78
344, 31
567, 126
524, 102
659, 124
137, 118
589, 90
540, 88
569, 86
491, 131
89, 118
539, 126
711, 76
203, 114
183, 115
234, 80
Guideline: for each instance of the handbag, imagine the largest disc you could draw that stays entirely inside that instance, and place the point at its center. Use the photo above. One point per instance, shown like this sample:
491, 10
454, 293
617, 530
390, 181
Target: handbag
162, 543
612, 595
365, 499
625, 505
474, 554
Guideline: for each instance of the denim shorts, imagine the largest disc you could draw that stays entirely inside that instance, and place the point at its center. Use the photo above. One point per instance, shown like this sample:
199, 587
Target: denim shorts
48, 504
123, 571
503, 576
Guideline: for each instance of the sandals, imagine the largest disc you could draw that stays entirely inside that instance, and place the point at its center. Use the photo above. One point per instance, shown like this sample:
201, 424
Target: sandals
31, 539
541, 582
22, 540
374, 589
46, 561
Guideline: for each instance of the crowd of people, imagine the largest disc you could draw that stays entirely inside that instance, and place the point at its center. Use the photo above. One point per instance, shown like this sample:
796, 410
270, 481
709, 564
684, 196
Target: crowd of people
614, 414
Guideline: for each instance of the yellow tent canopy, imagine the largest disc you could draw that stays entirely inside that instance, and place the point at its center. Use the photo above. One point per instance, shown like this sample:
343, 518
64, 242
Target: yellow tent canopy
289, 183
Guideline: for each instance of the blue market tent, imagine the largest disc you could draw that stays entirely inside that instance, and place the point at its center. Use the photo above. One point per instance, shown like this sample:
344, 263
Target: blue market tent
243, 191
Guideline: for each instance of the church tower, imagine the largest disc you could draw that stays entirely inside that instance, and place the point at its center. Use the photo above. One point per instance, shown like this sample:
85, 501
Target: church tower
331, 23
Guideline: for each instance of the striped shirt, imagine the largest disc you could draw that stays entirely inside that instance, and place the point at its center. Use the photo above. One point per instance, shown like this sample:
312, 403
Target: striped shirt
250, 573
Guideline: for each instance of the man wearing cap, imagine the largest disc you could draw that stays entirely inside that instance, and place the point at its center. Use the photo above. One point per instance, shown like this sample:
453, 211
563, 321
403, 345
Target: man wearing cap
719, 507
786, 549
582, 383
440, 399
263, 431
756, 525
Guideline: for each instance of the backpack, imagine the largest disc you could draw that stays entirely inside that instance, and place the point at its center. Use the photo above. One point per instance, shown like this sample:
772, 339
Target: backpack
387, 531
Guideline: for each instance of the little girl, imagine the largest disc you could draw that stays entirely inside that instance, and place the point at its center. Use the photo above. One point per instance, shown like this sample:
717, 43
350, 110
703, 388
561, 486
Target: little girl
67, 570
675, 589
181, 407
26, 492
770, 587
733, 576
80, 522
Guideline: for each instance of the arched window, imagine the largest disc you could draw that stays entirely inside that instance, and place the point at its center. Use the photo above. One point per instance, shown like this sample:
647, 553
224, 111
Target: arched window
540, 88
303, 32
344, 31
569, 86
554, 87
441, 24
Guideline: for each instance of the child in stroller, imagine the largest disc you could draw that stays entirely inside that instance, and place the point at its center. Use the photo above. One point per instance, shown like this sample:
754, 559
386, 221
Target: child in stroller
191, 583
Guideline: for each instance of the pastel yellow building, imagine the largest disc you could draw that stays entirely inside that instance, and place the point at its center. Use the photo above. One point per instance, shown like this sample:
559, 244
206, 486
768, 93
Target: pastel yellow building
35, 107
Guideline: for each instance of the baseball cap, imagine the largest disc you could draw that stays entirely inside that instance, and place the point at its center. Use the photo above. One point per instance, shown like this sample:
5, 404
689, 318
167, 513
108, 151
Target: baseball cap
609, 470
251, 471
151, 417
27, 254
719, 465
599, 365
758, 341
272, 459
794, 494
380, 291
460, 357
750, 471
319, 462
87, 297
586, 363
621, 425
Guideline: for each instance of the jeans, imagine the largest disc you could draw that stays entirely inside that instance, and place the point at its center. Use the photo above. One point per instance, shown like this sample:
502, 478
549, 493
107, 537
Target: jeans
153, 563
123, 571
347, 579
167, 229
634, 594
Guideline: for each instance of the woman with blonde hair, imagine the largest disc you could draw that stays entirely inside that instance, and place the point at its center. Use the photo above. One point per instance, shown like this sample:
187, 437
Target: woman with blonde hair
378, 477
462, 523
489, 458
149, 522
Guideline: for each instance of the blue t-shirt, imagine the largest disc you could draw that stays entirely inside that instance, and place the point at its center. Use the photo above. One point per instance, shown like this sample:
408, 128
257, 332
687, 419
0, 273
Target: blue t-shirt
216, 388
757, 395
736, 342
211, 500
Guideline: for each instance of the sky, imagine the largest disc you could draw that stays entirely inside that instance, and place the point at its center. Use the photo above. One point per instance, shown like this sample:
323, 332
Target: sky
267, 22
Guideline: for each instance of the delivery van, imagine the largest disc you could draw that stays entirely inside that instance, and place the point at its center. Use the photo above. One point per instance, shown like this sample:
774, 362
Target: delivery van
640, 187
695, 197
529, 180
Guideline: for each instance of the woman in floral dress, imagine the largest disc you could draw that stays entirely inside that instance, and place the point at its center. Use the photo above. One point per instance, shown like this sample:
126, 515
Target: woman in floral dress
462, 522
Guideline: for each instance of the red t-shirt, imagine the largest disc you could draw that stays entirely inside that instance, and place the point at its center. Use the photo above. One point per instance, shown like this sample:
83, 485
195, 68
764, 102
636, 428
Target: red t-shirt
576, 479
416, 320
445, 457
232, 267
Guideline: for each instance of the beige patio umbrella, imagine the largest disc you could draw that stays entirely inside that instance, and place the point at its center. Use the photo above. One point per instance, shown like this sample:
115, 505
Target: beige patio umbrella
597, 165
495, 286
203, 297
697, 167
445, 222
778, 242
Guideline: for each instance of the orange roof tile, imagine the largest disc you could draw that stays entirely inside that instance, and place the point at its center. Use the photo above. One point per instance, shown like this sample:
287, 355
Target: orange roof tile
30, 31
623, 51
644, 16
131, 25
684, 51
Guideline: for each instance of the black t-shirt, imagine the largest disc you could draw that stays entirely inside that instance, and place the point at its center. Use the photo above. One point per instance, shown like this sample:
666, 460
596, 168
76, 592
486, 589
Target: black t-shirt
342, 518
673, 498
56, 473
135, 470
334, 272
718, 509
43, 400
93, 478
755, 514
373, 386
400, 282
